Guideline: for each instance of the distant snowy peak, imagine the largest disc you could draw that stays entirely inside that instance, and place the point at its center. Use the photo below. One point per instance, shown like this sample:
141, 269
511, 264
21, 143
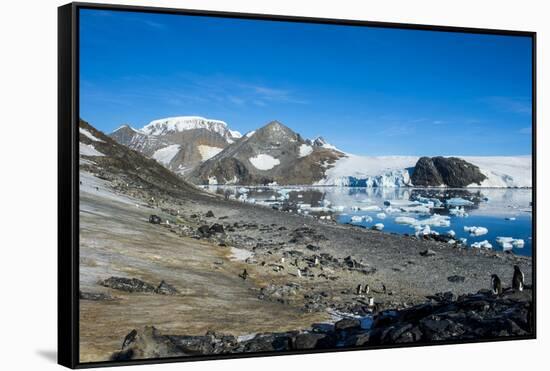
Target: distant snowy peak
183, 123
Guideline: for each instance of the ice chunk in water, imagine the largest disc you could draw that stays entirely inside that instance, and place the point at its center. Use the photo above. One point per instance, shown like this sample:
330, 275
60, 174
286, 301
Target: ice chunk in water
476, 231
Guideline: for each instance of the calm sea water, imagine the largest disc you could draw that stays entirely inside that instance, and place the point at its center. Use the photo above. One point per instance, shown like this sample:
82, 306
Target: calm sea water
503, 212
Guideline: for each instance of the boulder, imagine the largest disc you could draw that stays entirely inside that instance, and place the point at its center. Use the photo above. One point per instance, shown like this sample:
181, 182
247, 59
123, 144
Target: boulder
154, 219
128, 284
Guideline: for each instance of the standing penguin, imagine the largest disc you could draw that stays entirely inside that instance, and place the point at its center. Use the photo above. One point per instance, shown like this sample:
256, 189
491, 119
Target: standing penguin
517, 281
366, 289
359, 289
496, 286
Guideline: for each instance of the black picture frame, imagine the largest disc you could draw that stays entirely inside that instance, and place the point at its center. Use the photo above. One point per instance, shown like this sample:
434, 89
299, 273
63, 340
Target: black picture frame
68, 167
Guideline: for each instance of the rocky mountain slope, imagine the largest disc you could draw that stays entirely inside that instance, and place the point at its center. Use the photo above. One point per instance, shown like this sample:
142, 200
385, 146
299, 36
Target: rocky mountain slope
107, 159
179, 143
271, 154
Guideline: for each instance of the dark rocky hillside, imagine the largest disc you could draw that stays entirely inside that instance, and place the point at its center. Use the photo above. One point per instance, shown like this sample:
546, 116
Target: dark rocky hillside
445, 171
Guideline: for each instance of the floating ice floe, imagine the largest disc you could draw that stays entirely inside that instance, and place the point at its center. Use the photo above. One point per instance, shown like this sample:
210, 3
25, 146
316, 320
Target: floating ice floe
508, 243
378, 226
482, 245
424, 230
381, 216
458, 211
451, 233
405, 220
476, 231
361, 218
457, 201
366, 208
463, 241
510, 218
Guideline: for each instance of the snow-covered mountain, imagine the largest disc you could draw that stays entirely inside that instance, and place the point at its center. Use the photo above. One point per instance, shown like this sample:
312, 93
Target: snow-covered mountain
179, 143
207, 151
271, 154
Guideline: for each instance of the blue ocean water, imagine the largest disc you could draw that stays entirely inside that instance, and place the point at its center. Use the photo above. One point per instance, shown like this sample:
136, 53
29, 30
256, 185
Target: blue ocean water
503, 212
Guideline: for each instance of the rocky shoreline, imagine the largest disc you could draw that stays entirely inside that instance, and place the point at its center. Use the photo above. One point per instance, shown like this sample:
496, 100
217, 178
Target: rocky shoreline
444, 317
206, 264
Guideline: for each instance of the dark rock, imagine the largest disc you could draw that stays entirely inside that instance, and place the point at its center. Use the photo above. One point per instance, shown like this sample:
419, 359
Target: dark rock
347, 324
428, 252
94, 296
313, 247
166, 289
312, 340
127, 284
209, 214
216, 228
204, 231
447, 171
456, 278
154, 219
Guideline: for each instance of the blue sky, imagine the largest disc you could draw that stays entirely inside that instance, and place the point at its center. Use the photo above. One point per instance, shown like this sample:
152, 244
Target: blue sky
369, 91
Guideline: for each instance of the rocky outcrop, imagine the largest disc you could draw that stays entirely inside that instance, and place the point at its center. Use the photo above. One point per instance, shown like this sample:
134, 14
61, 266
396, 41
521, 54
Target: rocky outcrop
136, 285
445, 171
443, 318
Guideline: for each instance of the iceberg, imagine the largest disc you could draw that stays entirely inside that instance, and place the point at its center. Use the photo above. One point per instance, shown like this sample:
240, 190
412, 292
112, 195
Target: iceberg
457, 201
378, 226
476, 231
508, 243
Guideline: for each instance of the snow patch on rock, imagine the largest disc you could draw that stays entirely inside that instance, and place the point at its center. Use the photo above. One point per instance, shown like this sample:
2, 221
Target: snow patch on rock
166, 154
89, 150
305, 150
207, 152
264, 162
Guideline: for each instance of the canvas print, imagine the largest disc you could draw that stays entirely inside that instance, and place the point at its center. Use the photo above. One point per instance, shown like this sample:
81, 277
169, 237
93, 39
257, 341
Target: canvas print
251, 186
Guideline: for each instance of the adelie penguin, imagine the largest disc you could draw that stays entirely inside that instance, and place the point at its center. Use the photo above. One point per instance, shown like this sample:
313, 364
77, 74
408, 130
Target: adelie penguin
366, 289
244, 275
518, 279
496, 286
359, 290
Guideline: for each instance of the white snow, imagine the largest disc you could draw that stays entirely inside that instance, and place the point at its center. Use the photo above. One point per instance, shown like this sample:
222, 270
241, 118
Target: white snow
476, 231
166, 154
250, 133
264, 162
305, 150
183, 123
381, 216
240, 254
503, 171
89, 150
89, 135
212, 180
207, 152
